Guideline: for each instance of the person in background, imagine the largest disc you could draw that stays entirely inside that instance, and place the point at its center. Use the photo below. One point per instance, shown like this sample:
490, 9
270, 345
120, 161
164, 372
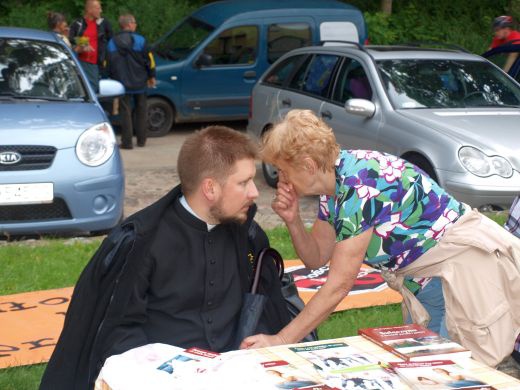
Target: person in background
58, 24
131, 62
513, 220
504, 33
384, 211
89, 36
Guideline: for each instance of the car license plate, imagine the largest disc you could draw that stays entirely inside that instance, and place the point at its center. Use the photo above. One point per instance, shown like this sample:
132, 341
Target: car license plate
27, 193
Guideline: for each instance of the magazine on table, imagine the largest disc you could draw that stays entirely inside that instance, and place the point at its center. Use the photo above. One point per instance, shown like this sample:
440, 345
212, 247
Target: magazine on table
279, 374
336, 358
414, 342
437, 375
375, 378
187, 360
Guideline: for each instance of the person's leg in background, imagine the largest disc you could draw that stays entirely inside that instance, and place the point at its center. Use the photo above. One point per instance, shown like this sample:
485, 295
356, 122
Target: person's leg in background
140, 118
127, 129
432, 298
92, 73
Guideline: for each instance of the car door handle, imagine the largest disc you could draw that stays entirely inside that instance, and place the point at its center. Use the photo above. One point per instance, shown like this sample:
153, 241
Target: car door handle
250, 74
286, 102
326, 114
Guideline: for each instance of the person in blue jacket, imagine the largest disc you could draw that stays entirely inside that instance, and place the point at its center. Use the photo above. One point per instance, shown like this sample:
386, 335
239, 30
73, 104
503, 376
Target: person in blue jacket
131, 62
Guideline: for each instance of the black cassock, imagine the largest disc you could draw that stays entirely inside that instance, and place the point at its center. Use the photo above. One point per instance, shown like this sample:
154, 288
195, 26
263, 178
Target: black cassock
161, 277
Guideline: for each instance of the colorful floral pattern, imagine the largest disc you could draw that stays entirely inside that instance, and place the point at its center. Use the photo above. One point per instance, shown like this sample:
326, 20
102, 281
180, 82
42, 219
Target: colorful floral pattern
408, 211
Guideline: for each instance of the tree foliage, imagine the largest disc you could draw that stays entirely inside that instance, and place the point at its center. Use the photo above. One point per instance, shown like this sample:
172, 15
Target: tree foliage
154, 17
452, 21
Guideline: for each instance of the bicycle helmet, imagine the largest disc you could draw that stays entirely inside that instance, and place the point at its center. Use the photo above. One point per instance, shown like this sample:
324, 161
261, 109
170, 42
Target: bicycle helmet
502, 22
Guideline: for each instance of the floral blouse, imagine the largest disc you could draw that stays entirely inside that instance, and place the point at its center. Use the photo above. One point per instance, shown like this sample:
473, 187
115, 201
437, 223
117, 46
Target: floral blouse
408, 211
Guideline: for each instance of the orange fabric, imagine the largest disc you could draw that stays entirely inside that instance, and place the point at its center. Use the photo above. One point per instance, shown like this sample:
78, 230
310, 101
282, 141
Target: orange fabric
30, 324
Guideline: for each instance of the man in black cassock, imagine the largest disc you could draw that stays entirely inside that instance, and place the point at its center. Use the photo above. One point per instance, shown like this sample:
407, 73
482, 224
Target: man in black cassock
176, 271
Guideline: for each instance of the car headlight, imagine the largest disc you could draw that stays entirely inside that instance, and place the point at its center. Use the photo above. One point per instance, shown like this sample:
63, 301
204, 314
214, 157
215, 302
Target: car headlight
480, 164
96, 145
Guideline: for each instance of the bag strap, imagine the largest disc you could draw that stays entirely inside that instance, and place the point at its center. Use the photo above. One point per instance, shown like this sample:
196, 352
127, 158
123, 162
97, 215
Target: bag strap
259, 261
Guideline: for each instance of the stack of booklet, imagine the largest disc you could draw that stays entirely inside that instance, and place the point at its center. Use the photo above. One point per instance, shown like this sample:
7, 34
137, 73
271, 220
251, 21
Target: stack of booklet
343, 364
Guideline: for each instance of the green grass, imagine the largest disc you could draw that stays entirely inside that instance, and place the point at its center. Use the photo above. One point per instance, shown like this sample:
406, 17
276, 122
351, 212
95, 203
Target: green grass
45, 264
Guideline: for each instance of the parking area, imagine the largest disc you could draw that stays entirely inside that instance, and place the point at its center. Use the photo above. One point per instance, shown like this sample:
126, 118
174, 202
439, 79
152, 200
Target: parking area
151, 172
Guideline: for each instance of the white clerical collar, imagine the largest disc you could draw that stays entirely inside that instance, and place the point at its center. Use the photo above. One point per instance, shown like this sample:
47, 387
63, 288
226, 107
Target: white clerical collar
185, 204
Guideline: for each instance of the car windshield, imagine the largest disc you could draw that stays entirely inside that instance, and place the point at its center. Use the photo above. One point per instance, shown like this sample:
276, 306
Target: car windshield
447, 84
180, 42
38, 70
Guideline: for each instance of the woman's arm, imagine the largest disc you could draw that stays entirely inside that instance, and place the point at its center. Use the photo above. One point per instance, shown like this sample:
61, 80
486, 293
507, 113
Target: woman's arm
346, 261
313, 248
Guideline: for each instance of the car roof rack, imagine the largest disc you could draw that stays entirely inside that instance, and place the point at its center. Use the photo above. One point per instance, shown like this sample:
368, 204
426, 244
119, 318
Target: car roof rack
354, 43
435, 43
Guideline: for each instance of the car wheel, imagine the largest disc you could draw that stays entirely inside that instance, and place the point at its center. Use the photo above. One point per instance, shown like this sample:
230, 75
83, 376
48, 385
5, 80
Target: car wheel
270, 174
424, 164
161, 116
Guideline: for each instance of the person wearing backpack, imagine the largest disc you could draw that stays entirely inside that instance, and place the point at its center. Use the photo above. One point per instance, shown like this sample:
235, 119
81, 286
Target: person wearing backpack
131, 62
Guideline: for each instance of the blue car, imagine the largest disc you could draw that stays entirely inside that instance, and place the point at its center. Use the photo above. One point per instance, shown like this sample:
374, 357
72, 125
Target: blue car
60, 167
209, 62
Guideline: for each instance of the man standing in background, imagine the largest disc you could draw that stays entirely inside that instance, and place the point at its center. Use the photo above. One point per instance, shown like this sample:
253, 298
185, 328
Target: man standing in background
503, 33
89, 36
131, 62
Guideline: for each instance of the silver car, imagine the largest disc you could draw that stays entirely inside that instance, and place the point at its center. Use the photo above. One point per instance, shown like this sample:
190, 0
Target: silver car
453, 114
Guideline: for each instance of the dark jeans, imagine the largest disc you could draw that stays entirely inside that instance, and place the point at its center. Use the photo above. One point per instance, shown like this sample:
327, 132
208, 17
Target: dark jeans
129, 121
92, 72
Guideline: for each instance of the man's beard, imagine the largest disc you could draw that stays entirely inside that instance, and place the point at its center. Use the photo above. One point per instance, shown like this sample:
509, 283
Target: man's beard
217, 214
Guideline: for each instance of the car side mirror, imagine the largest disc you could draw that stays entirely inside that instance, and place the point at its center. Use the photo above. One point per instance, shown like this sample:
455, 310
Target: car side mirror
360, 107
110, 88
204, 60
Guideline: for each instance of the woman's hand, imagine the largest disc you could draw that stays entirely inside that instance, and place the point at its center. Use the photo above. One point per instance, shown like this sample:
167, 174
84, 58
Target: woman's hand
285, 203
261, 341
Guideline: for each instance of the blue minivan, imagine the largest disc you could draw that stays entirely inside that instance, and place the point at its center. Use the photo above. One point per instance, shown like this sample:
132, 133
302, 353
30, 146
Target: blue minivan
208, 64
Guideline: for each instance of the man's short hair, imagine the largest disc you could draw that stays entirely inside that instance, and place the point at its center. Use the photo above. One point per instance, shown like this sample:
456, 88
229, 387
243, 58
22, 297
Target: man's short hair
212, 152
125, 20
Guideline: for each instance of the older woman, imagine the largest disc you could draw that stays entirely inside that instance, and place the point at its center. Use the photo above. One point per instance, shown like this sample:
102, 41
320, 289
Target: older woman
379, 209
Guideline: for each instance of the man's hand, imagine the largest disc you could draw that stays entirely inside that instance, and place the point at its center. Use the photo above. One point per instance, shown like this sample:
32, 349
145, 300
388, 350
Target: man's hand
285, 203
151, 82
261, 341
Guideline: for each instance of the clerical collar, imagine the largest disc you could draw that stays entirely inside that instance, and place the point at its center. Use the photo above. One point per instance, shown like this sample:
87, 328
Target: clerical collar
185, 204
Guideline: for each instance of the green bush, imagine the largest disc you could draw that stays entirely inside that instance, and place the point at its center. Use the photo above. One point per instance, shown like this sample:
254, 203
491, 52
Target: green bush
154, 18
457, 22
449, 21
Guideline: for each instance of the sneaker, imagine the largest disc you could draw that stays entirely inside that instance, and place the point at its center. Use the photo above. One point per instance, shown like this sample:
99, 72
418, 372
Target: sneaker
141, 144
122, 146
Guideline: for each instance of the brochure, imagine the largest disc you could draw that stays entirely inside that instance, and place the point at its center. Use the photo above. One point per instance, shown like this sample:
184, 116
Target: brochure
414, 342
436, 375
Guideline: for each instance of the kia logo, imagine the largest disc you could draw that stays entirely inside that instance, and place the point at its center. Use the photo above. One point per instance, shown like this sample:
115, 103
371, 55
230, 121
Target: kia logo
10, 158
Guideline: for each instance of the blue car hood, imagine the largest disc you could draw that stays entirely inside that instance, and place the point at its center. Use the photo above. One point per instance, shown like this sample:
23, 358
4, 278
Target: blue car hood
47, 123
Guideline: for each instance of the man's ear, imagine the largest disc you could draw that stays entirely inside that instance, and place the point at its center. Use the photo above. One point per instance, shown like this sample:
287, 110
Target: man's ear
210, 189
310, 166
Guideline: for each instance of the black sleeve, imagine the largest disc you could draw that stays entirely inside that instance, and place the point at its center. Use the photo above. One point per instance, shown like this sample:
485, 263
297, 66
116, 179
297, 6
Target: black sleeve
74, 32
149, 61
108, 31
